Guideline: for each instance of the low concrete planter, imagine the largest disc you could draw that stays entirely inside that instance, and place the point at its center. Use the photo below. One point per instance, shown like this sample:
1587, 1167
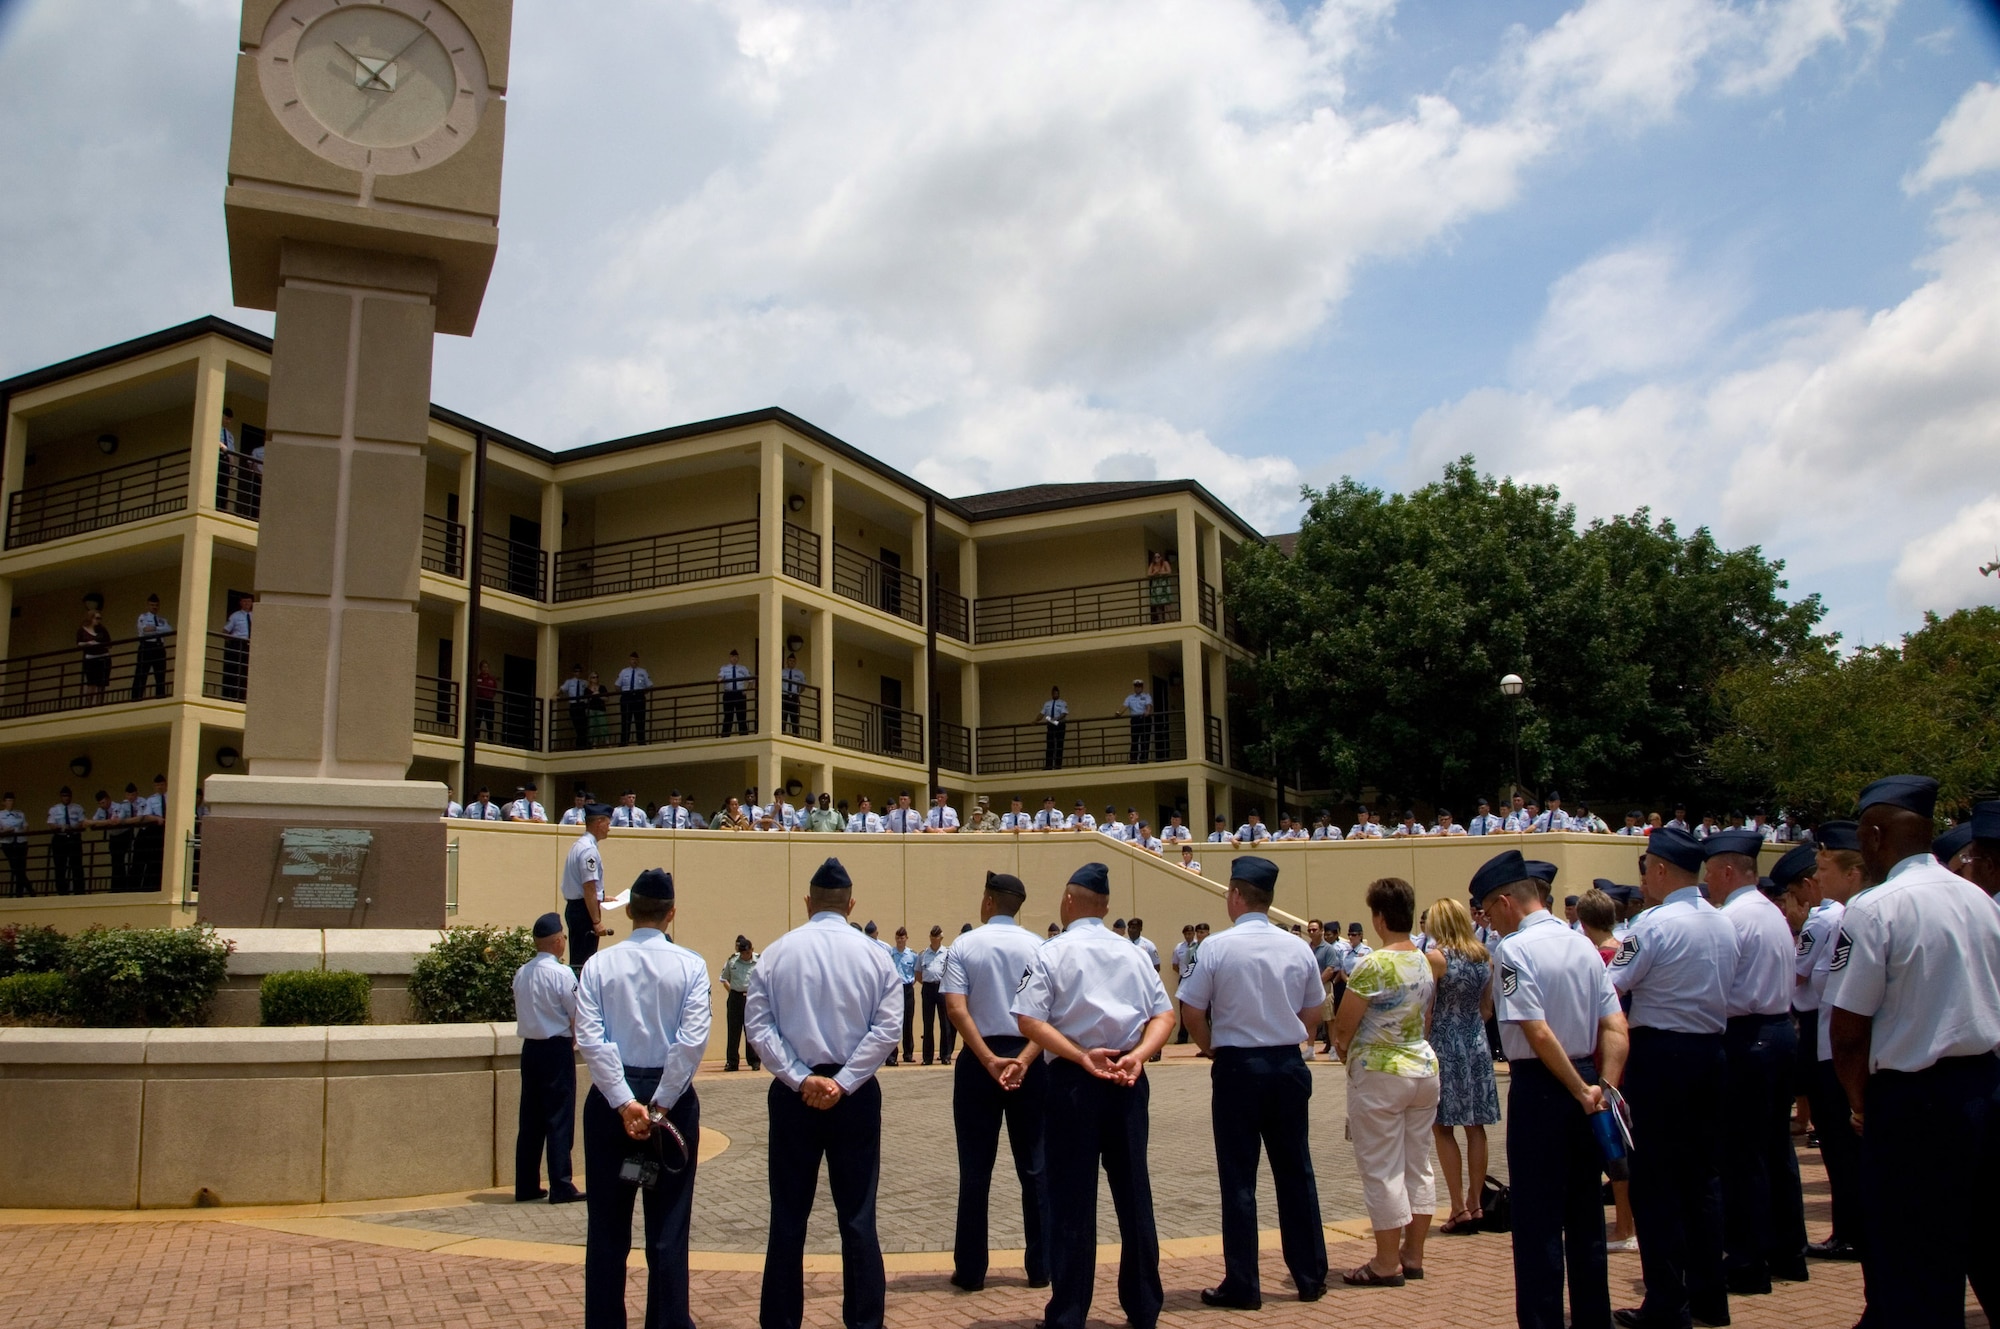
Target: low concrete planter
386, 955
164, 1118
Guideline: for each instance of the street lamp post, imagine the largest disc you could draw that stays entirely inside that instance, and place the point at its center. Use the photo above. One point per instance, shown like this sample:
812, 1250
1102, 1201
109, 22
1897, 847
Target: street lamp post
1511, 687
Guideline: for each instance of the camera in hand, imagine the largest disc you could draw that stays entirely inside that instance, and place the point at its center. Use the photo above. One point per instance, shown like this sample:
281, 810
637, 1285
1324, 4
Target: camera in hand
641, 1170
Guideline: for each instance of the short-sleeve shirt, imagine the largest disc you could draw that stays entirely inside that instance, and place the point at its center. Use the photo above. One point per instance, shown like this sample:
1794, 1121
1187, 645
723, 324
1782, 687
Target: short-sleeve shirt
1138, 704
1546, 972
1678, 962
1765, 953
582, 865
1093, 986
1816, 936
1397, 986
987, 966
905, 961
1254, 980
544, 998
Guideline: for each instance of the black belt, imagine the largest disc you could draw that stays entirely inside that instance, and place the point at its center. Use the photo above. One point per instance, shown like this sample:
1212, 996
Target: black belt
1242, 1053
1753, 1021
1585, 1067
1942, 1064
564, 1039
828, 1070
636, 1072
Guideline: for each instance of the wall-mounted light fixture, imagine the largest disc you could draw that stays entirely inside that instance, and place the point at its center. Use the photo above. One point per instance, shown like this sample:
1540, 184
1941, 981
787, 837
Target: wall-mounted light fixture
793, 643
107, 443
796, 502
79, 766
227, 757
794, 788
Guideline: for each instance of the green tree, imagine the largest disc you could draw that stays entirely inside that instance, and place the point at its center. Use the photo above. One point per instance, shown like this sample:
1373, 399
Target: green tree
1386, 631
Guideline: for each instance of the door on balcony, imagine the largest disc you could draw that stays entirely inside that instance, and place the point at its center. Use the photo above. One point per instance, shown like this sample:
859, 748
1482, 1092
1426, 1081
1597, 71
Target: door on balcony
517, 701
1162, 724
892, 585
524, 567
892, 714
443, 711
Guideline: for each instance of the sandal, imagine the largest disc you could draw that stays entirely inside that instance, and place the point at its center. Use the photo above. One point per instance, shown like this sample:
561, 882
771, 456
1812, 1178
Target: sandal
1461, 1223
1364, 1275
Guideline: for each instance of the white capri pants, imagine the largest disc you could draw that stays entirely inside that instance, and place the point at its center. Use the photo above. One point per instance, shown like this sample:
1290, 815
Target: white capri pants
1389, 1118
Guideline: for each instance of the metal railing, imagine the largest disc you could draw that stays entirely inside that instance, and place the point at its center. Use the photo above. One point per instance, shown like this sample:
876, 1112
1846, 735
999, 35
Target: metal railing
954, 745
668, 559
801, 554
798, 713
886, 731
225, 673
507, 720
877, 585
444, 546
239, 485
1208, 612
110, 497
1213, 728
437, 706
54, 681
1231, 629
1101, 741
89, 861
665, 713
511, 566
952, 611
1112, 604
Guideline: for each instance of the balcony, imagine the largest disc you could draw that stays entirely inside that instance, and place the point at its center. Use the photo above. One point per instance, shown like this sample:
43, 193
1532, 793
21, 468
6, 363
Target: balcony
949, 610
90, 862
239, 485
885, 731
437, 706
669, 713
508, 720
1208, 610
511, 566
226, 667
954, 746
670, 559
1105, 741
444, 547
877, 585
1213, 729
801, 554
53, 681
111, 497
1111, 604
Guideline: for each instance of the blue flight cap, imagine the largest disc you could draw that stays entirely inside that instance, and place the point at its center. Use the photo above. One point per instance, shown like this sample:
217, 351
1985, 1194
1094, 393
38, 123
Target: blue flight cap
1676, 847
1503, 869
1006, 883
1839, 835
1569, 899
1257, 873
654, 884
1914, 793
1986, 820
1744, 841
832, 877
1800, 860
1545, 873
1604, 884
597, 810
547, 926
1946, 846
1093, 877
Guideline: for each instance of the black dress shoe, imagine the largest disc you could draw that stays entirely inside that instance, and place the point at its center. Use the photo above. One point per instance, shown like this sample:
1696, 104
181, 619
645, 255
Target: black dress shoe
524, 1197
1635, 1317
1743, 1284
1715, 1315
1215, 1296
1792, 1273
1833, 1248
967, 1285
1038, 1282
574, 1197
1312, 1292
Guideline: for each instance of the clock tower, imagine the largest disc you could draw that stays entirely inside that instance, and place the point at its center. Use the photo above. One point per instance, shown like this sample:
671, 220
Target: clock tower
363, 207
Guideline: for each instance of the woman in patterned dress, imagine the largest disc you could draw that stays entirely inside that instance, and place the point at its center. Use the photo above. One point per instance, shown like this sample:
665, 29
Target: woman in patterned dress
1467, 1094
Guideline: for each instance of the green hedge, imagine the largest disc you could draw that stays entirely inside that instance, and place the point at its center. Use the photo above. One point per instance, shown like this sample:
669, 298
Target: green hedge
42, 998
313, 996
468, 976
139, 977
32, 948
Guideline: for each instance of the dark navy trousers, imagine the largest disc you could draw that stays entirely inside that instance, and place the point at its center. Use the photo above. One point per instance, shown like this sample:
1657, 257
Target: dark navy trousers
548, 1116
1840, 1150
1258, 1100
1763, 1212
978, 1107
1672, 1083
668, 1208
848, 1136
1095, 1122
1555, 1168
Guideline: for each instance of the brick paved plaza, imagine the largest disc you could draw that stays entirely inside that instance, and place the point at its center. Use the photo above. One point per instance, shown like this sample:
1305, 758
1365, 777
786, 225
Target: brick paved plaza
482, 1261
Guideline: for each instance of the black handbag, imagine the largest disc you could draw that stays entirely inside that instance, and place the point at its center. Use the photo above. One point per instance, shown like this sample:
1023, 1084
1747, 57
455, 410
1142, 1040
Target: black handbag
1498, 1203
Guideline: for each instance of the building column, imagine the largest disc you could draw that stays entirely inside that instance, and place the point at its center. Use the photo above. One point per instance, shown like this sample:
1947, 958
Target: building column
822, 510
211, 378
190, 618
1188, 555
770, 659
1193, 715
549, 670
821, 672
1197, 811
920, 684
1216, 665
183, 773
771, 508
1211, 545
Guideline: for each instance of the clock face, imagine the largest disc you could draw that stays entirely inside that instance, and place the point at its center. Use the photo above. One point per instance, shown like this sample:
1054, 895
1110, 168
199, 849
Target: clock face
383, 88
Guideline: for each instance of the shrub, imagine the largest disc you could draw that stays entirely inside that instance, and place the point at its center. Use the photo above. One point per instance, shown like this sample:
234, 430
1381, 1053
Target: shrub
144, 976
31, 948
38, 997
313, 996
469, 975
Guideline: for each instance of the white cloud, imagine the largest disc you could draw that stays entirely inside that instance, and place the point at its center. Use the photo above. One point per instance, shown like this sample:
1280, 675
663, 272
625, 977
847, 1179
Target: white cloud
1966, 144
1633, 310
1941, 570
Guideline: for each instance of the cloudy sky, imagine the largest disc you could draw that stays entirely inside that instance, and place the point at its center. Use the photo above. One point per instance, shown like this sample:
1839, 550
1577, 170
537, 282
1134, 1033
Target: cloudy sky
1739, 262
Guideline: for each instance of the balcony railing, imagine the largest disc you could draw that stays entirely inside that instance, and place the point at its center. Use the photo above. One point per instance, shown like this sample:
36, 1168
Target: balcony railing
877, 585
239, 485
92, 861
1214, 732
951, 610
110, 497
444, 546
798, 713
1208, 617
511, 566
437, 706
1105, 741
801, 554
954, 746
668, 713
1113, 604
56, 681
669, 559
226, 669
886, 731
508, 720
1231, 629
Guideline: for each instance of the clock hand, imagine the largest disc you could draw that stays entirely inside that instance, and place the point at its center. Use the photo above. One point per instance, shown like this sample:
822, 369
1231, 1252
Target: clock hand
406, 46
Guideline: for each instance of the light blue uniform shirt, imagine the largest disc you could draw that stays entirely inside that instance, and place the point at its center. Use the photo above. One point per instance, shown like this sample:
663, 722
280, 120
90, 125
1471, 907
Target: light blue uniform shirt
905, 961
1095, 987
642, 1003
1353, 955
1370, 830
1816, 936
1253, 981
1250, 833
1544, 971
930, 964
544, 998
1483, 824
583, 865
987, 966
1765, 953
1678, 963
1553, 820
478, 811
824, 995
